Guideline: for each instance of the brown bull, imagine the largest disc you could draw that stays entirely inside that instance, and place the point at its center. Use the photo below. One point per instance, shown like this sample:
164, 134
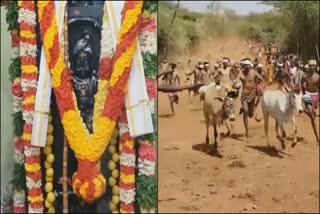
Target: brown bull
217, 108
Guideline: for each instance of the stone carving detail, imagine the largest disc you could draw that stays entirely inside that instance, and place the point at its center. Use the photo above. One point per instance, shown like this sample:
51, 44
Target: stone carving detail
84, 78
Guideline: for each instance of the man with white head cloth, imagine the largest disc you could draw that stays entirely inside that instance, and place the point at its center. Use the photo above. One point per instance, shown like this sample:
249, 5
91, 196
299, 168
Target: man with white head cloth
310, 89
223, 76
282, 77
212, 72
251, 88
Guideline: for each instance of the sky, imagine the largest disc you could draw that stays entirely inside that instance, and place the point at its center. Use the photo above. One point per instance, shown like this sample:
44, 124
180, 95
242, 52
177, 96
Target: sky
240, 7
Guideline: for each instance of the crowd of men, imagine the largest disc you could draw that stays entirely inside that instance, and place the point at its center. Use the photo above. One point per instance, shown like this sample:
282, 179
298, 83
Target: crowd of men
286, 70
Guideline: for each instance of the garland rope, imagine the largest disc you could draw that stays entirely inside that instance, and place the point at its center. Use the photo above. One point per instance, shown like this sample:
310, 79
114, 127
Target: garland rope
19, 179
146, 183
127, 166
28, 54
88, 182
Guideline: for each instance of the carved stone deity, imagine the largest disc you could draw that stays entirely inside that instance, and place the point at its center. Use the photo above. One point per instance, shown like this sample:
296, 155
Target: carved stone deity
84, 78
84, 36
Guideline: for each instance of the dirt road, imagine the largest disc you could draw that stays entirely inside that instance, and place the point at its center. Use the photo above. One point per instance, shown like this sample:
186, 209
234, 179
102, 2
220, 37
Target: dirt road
247, 178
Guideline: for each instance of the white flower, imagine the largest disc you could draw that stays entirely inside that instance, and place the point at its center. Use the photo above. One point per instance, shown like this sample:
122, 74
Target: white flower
146, 167
19, 198
127, 196
39, 210
27, 16
151, 105
28, 116
19, 157
17, 104
127, 159
33, 184
107, 46
31, 151
26, 84
148, 42
28, 50
123, 128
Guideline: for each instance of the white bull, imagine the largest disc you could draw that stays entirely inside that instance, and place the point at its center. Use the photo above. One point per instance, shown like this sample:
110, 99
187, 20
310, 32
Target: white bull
281, 106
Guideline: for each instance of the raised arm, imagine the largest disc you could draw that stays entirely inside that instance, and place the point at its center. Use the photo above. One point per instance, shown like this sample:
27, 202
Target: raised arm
190, 73
257, 75
164, 73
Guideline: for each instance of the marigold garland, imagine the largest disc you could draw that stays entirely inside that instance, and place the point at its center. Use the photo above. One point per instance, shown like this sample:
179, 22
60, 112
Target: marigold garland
19, 202
106, 58
28, 54
127, 166
146, 197
87, 181
105, 67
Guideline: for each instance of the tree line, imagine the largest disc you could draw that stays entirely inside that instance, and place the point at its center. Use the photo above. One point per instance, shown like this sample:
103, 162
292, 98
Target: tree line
293, 26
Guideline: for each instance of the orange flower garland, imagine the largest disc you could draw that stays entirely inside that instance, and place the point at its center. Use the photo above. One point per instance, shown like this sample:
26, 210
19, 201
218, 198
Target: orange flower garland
127, 166
28, 54
87, 181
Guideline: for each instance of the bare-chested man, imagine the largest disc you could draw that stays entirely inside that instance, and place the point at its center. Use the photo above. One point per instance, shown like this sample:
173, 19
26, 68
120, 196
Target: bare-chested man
223, 76
193, 76
168, 75
219, 62
176, 73
250, 79
204, 72
310, 89
234, 71
189, 68
282, 77
212, 72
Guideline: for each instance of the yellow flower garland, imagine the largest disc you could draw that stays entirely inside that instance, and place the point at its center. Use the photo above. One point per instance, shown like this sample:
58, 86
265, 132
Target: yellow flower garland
88, 148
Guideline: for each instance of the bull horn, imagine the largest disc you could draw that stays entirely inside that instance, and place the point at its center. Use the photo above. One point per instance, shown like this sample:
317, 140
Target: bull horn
167, 89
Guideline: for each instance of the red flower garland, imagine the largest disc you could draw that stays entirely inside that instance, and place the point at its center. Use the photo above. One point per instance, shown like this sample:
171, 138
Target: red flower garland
29, 69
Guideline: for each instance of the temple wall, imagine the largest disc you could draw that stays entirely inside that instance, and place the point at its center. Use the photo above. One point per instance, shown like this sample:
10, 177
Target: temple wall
7, 143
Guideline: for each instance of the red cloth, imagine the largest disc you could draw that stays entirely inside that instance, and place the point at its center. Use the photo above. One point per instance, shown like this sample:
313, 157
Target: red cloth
287, 66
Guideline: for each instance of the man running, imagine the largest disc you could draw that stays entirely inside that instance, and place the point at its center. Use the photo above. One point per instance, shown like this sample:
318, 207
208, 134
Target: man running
212, 72
282, 77
299, 74
310, 89
205, 72
223, 76
250, 82
176, 73
168, 75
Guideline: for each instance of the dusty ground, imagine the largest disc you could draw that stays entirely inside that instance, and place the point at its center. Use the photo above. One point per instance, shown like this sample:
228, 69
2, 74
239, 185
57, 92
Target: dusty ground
247, 178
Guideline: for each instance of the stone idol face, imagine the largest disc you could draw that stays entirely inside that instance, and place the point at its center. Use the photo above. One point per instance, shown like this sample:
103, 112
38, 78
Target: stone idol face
85, 21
